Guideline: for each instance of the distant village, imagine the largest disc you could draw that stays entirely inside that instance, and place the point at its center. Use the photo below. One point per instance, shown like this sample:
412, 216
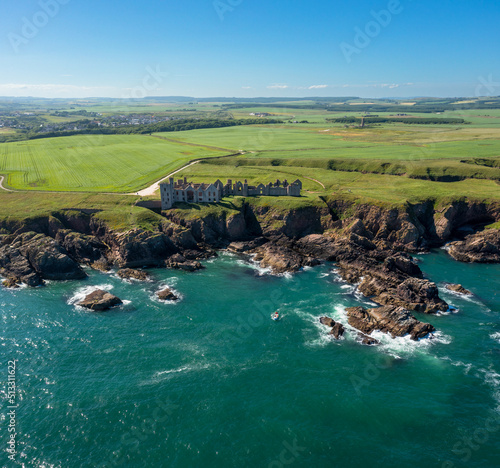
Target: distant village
38, 123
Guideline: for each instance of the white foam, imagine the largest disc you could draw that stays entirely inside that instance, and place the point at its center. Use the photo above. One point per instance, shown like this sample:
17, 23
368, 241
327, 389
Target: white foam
495, 336
323, 338
492, 379
400, 347
397, 347
451, 310
154, 297
170, 373
255, 266
82, 293
466, 366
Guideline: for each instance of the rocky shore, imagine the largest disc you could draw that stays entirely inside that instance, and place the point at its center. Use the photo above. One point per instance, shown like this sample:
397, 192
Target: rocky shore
370, 245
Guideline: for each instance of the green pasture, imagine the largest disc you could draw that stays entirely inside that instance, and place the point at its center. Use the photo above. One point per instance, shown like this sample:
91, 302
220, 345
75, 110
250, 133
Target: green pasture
94, 163
366, 188
291, 141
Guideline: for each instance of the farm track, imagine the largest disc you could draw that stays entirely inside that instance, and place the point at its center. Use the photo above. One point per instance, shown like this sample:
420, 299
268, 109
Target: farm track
2, 187
151, 190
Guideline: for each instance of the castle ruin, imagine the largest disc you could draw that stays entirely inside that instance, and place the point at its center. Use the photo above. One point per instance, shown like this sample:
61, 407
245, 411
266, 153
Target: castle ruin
188, 192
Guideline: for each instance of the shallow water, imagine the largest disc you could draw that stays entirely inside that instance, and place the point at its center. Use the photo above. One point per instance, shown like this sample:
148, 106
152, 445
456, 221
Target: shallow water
212, 381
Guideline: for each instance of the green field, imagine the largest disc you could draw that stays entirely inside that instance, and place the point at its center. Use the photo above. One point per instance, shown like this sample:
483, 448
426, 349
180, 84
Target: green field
385, 165
111, 163
388, 164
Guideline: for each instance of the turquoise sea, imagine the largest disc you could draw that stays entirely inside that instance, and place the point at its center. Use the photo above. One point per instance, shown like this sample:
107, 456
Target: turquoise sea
213, 382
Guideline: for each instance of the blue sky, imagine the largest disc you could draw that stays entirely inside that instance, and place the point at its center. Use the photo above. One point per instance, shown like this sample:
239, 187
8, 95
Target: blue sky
247, 48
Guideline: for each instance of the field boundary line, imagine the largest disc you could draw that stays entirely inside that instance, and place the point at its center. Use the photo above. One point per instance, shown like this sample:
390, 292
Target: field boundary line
180, 142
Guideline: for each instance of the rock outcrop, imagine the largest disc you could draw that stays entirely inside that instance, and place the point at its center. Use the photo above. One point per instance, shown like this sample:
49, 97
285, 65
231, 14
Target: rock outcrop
167, 295
281, 258
337, 329
482, 247
458, 288
395, 321
81, 247
33, 257
179, 262
12, 283
139, 248
99, 301
129, 273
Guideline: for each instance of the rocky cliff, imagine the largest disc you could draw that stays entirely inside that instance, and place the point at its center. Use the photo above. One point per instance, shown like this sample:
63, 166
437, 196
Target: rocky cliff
369, 242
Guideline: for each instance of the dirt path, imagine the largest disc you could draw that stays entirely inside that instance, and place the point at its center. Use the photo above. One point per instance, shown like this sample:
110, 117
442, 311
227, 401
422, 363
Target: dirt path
151, 190
317, 181
2, 178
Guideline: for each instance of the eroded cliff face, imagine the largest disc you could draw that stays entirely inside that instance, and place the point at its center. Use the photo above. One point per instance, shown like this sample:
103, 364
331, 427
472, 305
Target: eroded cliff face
411, 228
358, 237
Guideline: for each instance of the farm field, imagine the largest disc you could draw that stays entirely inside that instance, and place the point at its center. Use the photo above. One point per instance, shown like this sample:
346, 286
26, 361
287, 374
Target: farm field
380, 164
401, 142
389, 163
94, 163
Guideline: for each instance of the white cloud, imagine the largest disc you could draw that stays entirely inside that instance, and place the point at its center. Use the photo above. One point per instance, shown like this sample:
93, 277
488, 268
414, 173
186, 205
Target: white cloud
278, 87
321, 86
246, 87
377, 85
53, 90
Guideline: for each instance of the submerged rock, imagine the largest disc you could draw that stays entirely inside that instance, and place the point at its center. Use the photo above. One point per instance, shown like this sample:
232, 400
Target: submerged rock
458, 288
100, 300
396, 321
368, 340
129, 273
167, 295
